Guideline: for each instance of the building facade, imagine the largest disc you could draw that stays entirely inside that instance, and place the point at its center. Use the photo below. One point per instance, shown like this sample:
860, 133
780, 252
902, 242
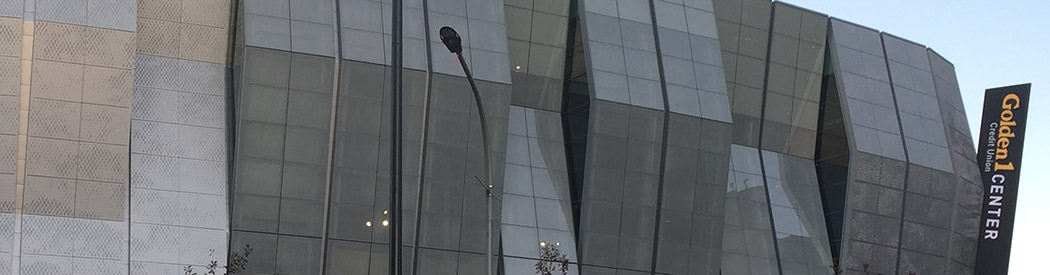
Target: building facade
639, 136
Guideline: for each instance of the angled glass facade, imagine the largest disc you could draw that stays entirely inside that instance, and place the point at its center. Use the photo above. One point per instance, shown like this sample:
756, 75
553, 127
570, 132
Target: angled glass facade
637, 136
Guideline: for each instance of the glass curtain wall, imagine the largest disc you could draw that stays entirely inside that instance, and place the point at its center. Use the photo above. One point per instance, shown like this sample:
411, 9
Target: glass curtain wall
297, 82
773, 71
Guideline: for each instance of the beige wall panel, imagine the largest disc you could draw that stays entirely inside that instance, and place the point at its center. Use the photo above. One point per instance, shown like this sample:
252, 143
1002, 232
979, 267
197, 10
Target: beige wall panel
54, 119
170, 10
105, 124
10, 37
10, 75
103, 162
51, 157
8, 115
8, 146
57, 80
214, 13
200, 43
157, 37
50, 196
7, 188
109, 48
108, 86
100, 200
58, 42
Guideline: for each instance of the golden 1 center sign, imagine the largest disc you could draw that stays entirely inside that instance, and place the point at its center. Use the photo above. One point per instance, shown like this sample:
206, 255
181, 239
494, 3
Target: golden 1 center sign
1000, 144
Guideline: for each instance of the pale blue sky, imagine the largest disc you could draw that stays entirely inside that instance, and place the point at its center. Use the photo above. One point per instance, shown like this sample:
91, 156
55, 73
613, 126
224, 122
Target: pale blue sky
992, 44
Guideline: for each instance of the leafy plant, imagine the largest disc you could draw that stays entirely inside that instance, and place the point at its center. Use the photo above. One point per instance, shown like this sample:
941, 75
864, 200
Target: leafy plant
238, 263
551, 260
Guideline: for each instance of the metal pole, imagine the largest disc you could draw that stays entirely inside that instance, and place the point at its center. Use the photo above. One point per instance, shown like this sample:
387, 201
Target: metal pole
395, 137
488, 155
425, 139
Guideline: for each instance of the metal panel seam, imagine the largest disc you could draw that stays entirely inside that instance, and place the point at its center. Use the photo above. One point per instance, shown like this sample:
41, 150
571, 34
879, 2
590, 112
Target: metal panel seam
761, 128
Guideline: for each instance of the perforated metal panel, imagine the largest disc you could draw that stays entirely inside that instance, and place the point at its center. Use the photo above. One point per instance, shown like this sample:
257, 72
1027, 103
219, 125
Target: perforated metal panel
213, 13
201, 43
103, 162
155, 172
7, 203
155, 207
155, 105
100, 200
156, 72
179, 137
51, 157
157, 37
49, 196
107, 86
154, 138
96, 266
7, 223
58, 42
8, 117
200, 77
199, 176
105, 124
46, 235
198, 245
65, 11
203, 110
8, 145
154, 243
10, 35
111, 14
99, 239
147, 268
10, 73
170, 10
198, 210
46, 265
109, 48
57, 80
11, 8
202, 143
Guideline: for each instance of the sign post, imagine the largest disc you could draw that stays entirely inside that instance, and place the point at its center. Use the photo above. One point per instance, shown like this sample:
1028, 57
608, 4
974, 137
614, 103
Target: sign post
999, 148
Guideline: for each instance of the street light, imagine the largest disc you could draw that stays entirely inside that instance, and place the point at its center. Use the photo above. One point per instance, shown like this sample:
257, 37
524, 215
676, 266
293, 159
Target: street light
453, 42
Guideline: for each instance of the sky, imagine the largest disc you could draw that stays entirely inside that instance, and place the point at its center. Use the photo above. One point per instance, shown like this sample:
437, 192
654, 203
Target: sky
992, 44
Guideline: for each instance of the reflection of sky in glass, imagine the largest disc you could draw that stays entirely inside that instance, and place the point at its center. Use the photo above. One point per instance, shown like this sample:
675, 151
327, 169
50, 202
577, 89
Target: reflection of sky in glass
536, 195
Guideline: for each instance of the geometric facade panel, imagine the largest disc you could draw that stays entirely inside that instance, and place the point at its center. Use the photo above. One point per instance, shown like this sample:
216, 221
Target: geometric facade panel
637, 136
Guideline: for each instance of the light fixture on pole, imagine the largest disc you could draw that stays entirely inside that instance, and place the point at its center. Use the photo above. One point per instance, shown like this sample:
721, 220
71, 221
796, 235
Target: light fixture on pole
453, 42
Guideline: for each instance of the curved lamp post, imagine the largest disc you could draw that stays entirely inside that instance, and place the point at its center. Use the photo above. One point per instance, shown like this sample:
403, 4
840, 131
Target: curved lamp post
452, 41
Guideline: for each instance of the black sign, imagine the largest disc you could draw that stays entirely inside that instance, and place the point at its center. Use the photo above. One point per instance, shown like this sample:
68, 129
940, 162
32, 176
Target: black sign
1000, 143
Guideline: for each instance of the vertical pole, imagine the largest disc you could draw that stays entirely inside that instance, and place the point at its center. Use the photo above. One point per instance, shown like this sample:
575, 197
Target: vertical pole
488, 251
395, 137
424, 141
488, 154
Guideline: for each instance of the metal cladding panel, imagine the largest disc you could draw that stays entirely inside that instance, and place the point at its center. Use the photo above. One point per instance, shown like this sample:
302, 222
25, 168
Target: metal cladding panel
867, 97
536, 201
692, 68
76, 164
179, 150
968, 188
536, 43
92, 153
656, 124
916, 97
871, 232
178, 175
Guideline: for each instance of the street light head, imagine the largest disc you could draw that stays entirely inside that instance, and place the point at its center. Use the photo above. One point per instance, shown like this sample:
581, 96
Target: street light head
451, 39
